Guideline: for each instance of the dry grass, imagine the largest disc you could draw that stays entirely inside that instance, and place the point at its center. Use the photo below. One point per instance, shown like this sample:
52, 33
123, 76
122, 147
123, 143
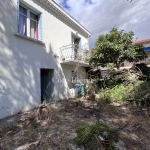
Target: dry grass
56, 128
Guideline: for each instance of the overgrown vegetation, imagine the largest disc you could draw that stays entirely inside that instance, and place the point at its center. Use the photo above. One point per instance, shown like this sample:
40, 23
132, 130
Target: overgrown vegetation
128, 85
137, 93
95, 135
111, 50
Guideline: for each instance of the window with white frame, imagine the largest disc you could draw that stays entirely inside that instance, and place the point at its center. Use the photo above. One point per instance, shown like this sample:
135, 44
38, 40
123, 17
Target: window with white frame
28, 22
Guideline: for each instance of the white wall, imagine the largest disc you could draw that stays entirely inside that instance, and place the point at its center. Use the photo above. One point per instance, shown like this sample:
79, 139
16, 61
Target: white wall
146, 44
21, 59
67, 69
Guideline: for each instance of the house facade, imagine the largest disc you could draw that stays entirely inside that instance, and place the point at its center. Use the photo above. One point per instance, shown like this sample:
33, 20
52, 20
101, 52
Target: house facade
41, 47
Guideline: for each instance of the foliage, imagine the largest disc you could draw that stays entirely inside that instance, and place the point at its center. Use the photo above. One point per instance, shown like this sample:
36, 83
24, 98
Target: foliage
118, 93
140, 95
134, 74
148, 61
143, 70
88, 135
116, 47
110, 67
89, 88
115, 77
104, 96
136, 93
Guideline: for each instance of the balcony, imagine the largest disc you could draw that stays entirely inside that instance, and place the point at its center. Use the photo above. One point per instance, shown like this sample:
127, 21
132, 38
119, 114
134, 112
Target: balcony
72, 54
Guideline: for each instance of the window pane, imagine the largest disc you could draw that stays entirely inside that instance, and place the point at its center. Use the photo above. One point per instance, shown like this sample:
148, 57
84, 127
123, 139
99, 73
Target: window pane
22, 10
33, 29
22, 24
22, 20
33, 26
33, 16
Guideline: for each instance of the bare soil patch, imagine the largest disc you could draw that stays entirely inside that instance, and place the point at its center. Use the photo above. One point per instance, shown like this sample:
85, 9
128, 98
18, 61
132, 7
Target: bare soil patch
58, 132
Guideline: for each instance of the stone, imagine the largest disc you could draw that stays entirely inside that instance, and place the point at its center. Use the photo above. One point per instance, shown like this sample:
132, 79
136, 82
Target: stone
72, 136
101, 120
105, 134
120, 145
74, 147
24, 147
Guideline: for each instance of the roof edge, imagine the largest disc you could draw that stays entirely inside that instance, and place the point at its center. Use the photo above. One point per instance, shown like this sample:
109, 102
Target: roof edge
65, 15
142, 41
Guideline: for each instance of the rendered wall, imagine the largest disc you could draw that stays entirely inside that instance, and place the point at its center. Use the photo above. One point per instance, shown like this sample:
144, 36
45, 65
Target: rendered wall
67, 69
21, 59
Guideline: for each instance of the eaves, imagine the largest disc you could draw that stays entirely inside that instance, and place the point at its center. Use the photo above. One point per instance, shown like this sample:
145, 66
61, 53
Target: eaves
66, 17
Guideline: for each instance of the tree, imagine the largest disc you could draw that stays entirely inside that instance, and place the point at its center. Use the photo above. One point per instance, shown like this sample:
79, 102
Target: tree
116, 47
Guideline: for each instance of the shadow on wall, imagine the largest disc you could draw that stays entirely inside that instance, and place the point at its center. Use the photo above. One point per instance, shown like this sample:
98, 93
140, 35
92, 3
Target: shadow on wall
20, 63
4, 95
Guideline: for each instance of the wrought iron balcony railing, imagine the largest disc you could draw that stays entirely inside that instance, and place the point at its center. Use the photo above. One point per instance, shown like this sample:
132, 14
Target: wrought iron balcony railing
73, 52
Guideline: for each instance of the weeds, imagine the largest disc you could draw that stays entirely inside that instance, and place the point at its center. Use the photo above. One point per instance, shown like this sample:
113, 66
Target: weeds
105, 97
94, 136
119, 93
137, 93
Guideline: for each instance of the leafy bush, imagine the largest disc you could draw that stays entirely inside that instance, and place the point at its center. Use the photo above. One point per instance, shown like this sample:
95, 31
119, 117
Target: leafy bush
105, 96
143, 70
116, 77
119, 93
89, 88
140, 95
88, 136
137, 72
137, 93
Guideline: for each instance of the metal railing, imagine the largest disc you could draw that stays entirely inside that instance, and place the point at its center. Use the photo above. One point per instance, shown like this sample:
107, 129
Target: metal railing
73, 52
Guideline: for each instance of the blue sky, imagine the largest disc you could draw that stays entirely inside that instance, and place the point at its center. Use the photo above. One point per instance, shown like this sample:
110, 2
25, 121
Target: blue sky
63, 4
99, 16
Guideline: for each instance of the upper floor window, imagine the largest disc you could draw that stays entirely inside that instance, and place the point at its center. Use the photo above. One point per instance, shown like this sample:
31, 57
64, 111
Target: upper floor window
33, 26
22, 21
28, 22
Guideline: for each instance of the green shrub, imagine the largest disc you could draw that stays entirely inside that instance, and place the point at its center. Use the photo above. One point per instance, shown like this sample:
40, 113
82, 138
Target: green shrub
105, 96
137, 92
119, 93
141, 94
88, 135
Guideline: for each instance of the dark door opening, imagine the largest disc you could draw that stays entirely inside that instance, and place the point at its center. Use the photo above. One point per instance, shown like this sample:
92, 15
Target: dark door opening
47, 85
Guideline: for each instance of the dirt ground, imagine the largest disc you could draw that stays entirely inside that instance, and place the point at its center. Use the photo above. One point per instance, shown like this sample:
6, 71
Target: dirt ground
58, 132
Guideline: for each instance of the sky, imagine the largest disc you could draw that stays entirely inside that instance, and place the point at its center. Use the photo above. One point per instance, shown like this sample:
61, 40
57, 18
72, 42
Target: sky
100, 16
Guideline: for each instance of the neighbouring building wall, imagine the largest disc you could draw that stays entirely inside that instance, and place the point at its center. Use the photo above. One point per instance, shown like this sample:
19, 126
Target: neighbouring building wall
147, 48
21, 60
127, 64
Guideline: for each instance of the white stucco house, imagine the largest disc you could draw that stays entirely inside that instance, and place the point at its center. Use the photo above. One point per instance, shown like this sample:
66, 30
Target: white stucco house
40, 46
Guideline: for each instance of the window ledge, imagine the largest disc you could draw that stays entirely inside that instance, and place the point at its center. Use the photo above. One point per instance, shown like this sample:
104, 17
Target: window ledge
28, 38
